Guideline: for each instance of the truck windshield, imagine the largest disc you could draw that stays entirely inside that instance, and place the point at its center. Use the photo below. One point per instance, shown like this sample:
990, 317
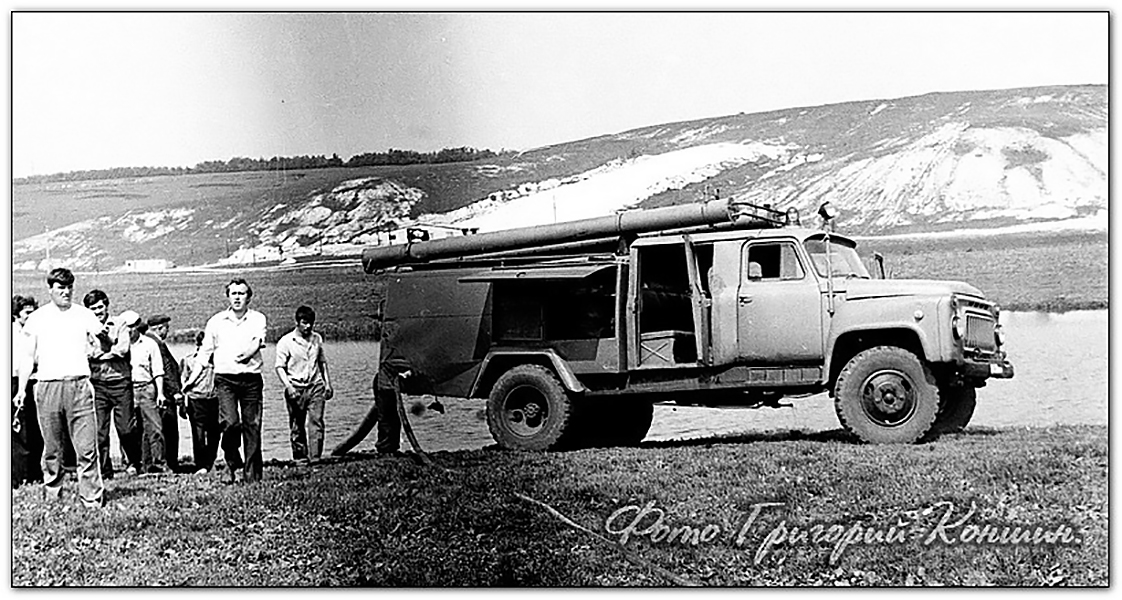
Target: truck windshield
844, 261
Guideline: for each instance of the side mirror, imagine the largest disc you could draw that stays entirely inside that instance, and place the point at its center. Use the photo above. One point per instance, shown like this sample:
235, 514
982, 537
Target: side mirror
877, 256
755, 271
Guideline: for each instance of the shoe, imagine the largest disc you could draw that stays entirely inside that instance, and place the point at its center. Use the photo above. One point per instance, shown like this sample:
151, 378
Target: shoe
157, 470
391, 454
202, 471
130, 471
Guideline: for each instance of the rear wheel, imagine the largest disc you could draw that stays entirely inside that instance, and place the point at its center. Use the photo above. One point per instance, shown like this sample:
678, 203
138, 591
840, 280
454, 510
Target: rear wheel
528, 409
885, 395
958, 403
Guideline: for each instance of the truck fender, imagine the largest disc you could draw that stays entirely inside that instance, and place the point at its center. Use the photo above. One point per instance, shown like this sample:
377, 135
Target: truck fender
505, 359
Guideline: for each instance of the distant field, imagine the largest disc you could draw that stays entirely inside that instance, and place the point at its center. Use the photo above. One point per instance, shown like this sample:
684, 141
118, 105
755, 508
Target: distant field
1046, 272
1054, 273
344, 297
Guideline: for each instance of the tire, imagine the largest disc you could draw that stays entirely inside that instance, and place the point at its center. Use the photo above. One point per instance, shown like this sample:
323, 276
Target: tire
885, 395
528, 409
958, 403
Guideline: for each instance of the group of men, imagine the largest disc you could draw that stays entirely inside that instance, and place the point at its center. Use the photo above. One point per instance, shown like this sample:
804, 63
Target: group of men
90, 370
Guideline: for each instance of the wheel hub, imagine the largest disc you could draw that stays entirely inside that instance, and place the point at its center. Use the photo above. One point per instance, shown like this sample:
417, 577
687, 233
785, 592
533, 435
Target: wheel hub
525, 411
888, 397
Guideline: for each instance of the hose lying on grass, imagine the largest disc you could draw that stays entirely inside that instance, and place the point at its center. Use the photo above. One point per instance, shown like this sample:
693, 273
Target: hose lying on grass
372, 418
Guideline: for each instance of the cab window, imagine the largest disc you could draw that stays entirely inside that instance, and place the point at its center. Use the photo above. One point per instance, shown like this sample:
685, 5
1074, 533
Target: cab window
773, 261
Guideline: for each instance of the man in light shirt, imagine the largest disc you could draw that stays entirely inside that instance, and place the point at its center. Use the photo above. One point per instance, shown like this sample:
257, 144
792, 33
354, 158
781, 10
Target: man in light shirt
58, 339
234, 339
147, 392
302, 368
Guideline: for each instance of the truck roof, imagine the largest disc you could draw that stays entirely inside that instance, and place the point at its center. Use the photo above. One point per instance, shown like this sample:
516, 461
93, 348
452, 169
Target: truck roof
800, 234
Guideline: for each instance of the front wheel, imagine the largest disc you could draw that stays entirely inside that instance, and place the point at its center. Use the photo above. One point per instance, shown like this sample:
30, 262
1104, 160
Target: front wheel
885, 395
958, 408
528, 409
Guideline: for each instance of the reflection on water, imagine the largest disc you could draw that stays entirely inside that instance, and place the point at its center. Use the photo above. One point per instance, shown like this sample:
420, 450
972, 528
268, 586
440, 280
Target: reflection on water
1061, 378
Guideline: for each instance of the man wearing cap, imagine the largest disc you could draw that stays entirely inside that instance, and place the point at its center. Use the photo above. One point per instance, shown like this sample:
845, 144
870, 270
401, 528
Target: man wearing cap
234, 338
172, 401
57, 345
111, 375
148, 392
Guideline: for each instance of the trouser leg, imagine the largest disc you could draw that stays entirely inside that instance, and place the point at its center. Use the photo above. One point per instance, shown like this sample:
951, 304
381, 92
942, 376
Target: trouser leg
124, 422
169, 424
103, 409
389, 423
153, 444
251, 427
27, 443
229, 421
213, 433
297, 414
83, 432
316, 403
48, 399
198, 433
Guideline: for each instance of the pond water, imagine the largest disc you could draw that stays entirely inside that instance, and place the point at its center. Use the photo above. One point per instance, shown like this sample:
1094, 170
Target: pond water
1061, 378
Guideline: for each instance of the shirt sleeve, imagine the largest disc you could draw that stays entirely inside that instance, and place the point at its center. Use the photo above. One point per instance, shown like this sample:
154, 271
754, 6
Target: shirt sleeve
157, 360
282, 353
262, 326
206, 350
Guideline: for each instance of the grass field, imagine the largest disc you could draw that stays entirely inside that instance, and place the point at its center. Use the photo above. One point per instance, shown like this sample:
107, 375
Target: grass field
1056, 272
1051, 272
392, 521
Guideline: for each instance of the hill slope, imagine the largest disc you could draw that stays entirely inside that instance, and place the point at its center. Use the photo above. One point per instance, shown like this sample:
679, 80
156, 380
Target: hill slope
980, 159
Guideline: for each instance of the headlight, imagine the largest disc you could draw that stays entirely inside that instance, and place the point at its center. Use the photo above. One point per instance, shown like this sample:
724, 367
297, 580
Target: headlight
999, 335
958, 327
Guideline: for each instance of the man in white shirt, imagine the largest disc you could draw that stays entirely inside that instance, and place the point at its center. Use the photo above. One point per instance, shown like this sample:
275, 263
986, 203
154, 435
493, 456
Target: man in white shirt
148, 392
234, 338
58, 339
302, 368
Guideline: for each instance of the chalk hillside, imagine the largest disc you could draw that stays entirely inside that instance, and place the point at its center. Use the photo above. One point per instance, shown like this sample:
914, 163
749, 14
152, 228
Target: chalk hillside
1000, 160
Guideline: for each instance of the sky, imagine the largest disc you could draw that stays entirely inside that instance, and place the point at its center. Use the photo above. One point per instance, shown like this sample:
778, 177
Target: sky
103, 90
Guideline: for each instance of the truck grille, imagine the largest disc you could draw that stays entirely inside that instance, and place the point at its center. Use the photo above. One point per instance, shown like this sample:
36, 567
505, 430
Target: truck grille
979, 333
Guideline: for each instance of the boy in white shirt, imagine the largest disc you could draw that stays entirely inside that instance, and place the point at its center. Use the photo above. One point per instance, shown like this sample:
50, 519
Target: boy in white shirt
302, 368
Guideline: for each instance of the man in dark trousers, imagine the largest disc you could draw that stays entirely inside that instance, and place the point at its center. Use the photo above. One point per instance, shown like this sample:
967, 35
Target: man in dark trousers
111, 375
158, 327
234, 338
387, 389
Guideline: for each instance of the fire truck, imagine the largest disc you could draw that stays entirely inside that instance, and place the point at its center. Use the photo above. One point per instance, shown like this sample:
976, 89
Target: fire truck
572, 331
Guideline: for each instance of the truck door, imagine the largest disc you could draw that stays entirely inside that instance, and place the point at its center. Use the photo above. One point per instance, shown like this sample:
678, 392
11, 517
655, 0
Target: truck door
779, 315
698, 260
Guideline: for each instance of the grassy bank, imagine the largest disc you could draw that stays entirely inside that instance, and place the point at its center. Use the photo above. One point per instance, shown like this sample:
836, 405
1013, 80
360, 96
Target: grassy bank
393, 521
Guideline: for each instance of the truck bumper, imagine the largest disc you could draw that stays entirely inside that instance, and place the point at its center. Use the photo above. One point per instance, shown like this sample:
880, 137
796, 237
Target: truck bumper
988, 370
1001, 370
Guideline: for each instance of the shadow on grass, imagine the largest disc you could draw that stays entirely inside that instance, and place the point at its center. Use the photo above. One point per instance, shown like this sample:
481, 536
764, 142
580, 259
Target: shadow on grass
831, 435
792, 435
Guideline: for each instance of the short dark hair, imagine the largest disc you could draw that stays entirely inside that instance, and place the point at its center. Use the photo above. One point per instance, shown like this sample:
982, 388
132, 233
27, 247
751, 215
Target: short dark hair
199, 338
21, 302
61, 276
240, 281
306, 313
92, 297
141, 327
